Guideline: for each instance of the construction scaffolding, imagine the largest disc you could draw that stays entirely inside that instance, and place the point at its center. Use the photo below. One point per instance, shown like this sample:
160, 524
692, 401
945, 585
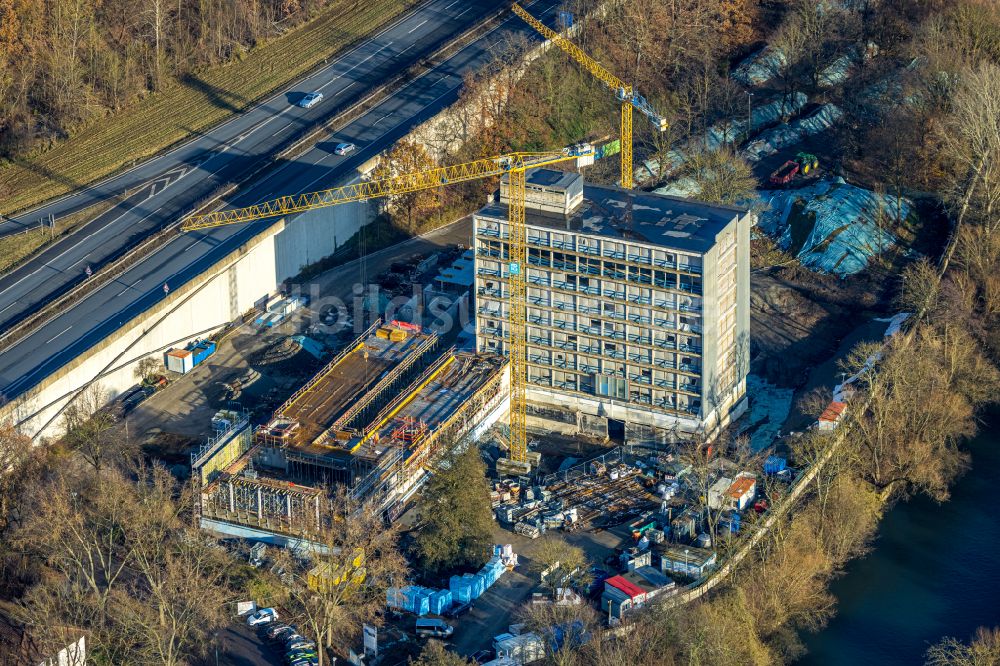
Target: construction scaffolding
282, 484
355, 382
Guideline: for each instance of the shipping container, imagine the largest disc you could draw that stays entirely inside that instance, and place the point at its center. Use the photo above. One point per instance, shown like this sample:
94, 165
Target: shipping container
179, 360
522, 649
203, 350
774, 465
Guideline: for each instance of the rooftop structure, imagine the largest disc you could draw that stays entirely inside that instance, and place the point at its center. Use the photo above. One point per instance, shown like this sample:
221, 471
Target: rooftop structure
638, 307
831, 416
459, 276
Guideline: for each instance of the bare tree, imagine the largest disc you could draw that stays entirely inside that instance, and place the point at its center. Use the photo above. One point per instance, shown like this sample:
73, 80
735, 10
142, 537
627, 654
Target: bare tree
984, 650
721, 176
120, 561
344, 586
147, 369
563, 564
88, 421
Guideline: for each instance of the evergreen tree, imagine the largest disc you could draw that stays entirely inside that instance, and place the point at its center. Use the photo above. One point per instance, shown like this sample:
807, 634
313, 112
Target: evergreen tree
455, 515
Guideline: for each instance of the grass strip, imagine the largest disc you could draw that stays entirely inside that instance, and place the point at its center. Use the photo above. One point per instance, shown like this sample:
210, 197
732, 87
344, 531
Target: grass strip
18, 248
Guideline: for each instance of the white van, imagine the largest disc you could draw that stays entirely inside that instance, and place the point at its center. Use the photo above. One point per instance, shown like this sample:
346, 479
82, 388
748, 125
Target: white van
434, 628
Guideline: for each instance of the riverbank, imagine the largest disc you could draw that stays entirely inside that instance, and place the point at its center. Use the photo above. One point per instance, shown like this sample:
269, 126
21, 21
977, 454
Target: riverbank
933, 573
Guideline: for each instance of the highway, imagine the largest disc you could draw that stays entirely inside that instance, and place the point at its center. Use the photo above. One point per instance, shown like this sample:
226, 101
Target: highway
67, 335
167, 187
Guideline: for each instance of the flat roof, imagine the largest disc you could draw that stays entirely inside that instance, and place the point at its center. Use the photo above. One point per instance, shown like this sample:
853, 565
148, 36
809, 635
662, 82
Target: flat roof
656, 219
346, 378
548, 178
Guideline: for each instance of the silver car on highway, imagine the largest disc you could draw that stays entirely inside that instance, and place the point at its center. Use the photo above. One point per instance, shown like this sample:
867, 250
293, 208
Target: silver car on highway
311, 100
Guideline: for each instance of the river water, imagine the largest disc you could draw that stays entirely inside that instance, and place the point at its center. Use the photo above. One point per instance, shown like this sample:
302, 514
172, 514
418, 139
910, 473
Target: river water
934, 572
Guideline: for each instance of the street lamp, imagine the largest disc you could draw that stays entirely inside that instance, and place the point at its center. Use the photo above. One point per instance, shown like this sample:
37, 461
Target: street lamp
686, 551
749, 113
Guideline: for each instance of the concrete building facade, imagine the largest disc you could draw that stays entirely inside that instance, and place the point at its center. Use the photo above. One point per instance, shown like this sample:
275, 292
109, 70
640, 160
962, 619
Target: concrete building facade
638, 312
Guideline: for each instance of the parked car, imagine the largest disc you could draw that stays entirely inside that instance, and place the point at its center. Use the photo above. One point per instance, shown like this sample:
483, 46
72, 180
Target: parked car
344, 148
294, 655
263, 616
304, 661
458, 610
432, 627
483, 656
301, 644
282, 634
311, 100
269, 631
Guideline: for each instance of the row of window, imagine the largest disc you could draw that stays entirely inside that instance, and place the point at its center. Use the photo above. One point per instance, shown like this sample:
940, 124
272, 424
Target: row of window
615, 388
554, 296
613, 285
587, 322
611, 342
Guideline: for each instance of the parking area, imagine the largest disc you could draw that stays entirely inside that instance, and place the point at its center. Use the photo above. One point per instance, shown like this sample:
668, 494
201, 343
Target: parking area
239, 645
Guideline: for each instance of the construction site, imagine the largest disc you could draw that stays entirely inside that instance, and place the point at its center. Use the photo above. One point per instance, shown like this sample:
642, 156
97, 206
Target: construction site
371, 424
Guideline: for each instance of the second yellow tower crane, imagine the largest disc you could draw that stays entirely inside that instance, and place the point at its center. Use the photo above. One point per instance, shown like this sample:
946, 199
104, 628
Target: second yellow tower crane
622, 90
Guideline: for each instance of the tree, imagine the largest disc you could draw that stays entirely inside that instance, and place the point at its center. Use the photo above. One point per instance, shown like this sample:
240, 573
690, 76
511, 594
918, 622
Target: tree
147, 369
455, 516
121, 561
721, 176
409, 211
564, 629
435, 654
983, 651
565, 565
920, 393
972, 144
21, 464
88, 421
338, 590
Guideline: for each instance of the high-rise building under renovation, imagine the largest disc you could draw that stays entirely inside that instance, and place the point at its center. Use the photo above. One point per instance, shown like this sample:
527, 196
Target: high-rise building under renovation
638, 307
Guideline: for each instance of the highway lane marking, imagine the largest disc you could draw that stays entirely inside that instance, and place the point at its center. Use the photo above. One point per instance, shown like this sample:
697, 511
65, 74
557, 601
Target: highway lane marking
128, 287
340, 76
453, 4
406, 49
414, 82
9, 306
463, 11
422, 22
191, 245
58, 334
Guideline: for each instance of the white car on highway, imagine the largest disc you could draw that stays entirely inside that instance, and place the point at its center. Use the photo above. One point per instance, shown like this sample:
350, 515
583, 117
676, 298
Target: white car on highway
344, 148
311, 100
263, 616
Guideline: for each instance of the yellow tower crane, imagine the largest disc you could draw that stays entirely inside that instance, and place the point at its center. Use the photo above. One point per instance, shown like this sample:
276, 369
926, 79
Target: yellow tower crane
622, 90
515, 165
